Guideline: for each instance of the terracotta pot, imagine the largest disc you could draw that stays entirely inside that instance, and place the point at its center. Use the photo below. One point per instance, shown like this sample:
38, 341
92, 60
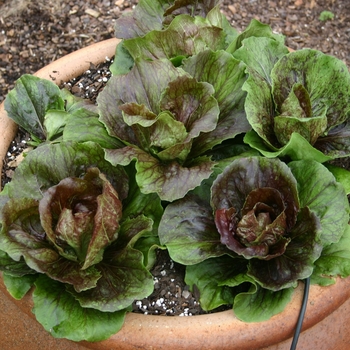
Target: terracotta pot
325, 326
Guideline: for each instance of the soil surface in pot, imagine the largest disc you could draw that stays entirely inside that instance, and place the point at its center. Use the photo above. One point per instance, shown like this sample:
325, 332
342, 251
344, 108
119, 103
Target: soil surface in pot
41, 34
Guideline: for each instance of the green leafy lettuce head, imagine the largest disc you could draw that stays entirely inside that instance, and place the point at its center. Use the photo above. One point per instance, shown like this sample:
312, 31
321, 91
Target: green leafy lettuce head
264, 229
171, 117
174, 95
300, 108
258, 216
72, 216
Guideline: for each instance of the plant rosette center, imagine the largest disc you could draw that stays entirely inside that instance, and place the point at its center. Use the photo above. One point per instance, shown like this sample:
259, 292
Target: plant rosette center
261, 228
260, 232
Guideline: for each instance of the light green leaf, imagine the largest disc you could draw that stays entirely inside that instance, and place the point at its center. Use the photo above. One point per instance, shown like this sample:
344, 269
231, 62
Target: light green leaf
261, 54
319, 191
18, 286
259, 304
62, 316
73, 103
84, 125
54, 123
254, 29
334, 261
341, 175
297, 148
218, 19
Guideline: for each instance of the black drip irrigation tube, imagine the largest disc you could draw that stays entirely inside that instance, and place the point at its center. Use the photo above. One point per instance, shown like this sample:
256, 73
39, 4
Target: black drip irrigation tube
301, 314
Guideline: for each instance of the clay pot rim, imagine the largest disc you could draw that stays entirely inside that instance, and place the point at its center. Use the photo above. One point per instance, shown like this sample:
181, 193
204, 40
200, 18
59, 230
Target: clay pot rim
59, 71
139, 331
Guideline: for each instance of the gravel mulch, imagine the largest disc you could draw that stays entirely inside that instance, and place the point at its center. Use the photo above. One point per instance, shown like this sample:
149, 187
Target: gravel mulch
34, 33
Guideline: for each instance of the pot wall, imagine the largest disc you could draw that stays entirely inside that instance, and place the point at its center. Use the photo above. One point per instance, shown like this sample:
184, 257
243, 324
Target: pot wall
19, 330
325, 325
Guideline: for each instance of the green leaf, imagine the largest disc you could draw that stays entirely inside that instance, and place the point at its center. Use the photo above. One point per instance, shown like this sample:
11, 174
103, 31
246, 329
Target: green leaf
319, 191
62, 316
334, 261
208, 278
325, 78
149, 247
326, 15
218, 19
254, 29
226, 75
259, 304
123, 62
54, 123
341, 175
168, 139
260, 108
28, 103
289, 122
177, 39
169, 180
132, 228
12, 267
188, 231
261, 54
124, 279
84, 125
138, 203
297, 148
74, 103
18, 286
47, 165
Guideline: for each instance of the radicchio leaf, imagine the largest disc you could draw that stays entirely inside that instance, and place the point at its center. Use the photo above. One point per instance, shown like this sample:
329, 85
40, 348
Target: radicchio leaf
36, 96
170, 180
188, 231
62, 316
296, 263
185, 36
227, 76
23, 236
85, 214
